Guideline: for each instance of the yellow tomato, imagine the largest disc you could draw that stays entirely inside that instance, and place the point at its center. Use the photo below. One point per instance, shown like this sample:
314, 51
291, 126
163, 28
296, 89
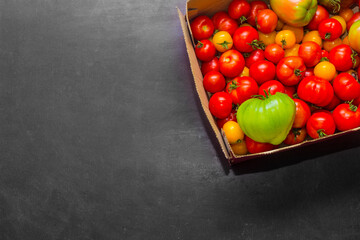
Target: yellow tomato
285, 38
313, 36
341, 21
233, 132
294, 51
328, 45
346, 14
245, 72
346, 41
325, 70
298, 31
222, 41
279, 25
239, 148
267, 38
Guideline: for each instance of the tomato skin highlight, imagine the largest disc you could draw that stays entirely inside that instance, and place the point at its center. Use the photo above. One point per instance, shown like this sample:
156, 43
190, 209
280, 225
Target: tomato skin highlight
346, 116
320, 124
220, 105
315, 90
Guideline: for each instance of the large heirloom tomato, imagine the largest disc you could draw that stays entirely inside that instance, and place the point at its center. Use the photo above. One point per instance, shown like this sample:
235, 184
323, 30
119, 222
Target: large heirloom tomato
346, 87
267, 119
246, 39
346, 116
231, 63
315, 90
290, 70
297, 13
354, 36
202, 27
320, 124
343, 57
220, 105
241, 89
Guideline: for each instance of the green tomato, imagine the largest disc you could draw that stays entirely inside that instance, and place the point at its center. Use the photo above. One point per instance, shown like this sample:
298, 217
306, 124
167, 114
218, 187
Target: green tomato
267, 119
297, 13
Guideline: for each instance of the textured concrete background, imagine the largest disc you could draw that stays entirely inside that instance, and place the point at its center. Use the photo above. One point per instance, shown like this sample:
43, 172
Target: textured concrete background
102, 137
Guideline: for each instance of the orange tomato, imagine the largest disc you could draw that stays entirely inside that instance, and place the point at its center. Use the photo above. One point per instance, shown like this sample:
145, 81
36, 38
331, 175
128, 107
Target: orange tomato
328, 45
313, 36
279, 25
325, 70
222, 41
346, 41
294, 51
267, 38
233, 132
285, 38
239, 148
346, 14
245, 72
298, 31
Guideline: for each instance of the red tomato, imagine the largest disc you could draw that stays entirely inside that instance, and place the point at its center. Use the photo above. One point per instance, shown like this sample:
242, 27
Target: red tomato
214, 82
324, 54
320, 14
246, 39
242, 89
202, 27
205, 50
334, 102
330, 29
220, 105
295, 136
239, 10
231, 63
255, 7
274, 53
257, 147
290, 70
290, 91
342, 57
262, 71
212, 65
310, 52
232, 117
254, 57
266, 21
309, 72
273, 86
353, 19
320, 124
302, 113
346, 116
346, 87
315, 90
223, 22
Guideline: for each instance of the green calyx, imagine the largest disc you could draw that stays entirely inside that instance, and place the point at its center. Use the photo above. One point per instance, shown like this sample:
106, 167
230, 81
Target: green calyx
321, 133
224, 44
256, 44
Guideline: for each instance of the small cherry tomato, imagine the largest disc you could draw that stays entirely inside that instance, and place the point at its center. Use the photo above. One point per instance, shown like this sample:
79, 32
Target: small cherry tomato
290, 70
320, 124
214, 82
295, 136
320, 14
272, 86
255, 7
222, 41
257, 147
231, 63
274, 53
220, 105
254, 57
242, 89
298, 31
267, 38
310, 52
302, 113
330, 29
202, 27
292, 52
315, 90
346, 116
313, 36
233, 132
239, 10
239, 148
285, 38
205, 50
325, 70
212, 65
266, 20
262, 71
346, 87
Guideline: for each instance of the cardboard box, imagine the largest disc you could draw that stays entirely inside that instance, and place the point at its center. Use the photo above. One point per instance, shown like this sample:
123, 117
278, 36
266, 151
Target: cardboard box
335, 142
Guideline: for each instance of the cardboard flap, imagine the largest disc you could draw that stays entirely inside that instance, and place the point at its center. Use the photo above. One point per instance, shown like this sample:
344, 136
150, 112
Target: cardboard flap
208, 7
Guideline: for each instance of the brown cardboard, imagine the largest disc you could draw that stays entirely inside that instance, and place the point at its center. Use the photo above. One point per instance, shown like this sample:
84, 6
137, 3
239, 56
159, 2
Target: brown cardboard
209, 7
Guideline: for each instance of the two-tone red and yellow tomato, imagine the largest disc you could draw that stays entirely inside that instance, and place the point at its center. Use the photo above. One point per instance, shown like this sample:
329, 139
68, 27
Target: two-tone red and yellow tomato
354, 36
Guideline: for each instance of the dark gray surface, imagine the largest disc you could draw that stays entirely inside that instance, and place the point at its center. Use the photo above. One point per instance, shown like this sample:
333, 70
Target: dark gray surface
102, 137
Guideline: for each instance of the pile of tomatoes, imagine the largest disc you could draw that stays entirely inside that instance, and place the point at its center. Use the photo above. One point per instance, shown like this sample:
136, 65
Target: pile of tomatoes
247, 50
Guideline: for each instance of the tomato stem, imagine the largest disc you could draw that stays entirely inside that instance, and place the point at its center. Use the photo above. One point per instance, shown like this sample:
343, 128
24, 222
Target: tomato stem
296, 132
233, 85
352, 107
200, 44
327, 35
242, 19
321, 133
324, 59
353, 55
283, 42
256, 44
225, 44
298, 72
